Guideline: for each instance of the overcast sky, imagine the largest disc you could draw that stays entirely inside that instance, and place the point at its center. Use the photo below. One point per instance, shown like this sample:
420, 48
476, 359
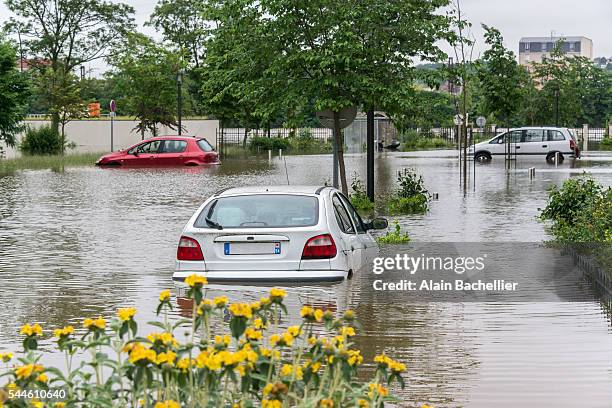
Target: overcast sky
514, 18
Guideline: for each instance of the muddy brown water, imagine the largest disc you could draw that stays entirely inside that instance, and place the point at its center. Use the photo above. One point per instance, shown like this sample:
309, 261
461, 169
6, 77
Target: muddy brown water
82, 241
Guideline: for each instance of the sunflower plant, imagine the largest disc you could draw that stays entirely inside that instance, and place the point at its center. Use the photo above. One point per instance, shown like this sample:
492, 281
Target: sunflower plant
253, 363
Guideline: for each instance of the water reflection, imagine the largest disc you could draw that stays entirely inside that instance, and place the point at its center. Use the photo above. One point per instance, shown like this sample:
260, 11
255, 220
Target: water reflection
84, 241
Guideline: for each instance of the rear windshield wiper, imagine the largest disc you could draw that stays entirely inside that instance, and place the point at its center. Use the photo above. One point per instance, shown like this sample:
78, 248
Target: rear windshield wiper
213, 224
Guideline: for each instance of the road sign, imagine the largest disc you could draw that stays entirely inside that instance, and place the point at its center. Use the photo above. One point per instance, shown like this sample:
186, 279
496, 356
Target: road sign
113, 106
458, 119
481, 121
346, 116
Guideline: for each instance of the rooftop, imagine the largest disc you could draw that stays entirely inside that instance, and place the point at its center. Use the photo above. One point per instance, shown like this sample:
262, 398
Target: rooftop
553, 39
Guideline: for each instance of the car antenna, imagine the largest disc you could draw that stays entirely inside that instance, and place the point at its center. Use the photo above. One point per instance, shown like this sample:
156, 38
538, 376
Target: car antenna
286, 172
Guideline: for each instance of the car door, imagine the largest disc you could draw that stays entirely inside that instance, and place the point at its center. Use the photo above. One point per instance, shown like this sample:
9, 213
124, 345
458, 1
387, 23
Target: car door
144, 154
369, 247
533, 142
352, 244
556, 142
514, 142
172, 152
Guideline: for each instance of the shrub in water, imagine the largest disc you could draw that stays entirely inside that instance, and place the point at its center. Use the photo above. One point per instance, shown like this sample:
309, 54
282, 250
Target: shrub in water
249, 364
41, 141
394, 237
260, 143
358, 196
412, 197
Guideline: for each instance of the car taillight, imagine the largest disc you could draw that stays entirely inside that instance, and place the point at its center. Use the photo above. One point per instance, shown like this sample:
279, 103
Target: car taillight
572, 144
319, 247
189, 250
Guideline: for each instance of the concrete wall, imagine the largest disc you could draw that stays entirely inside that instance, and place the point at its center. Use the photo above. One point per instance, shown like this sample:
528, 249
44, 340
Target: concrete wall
93, 136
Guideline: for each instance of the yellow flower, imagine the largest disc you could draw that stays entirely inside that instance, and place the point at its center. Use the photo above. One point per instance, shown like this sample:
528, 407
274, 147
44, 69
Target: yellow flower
385, 361
255, 306
98, 323
140, 353
205, 305
59, 404
164, 339
166, 358
277, 294
266, 352
34, 330
66, 331
164, 295
167, 404
318, 314
23, 372
241, 370
37, 404
265, 301
326, 403
42, 378
221, 301
349, 315
184, 364
241, 310
355, 357
6, 357
268, 389
252, 334
195, 281
307, 312
126, 314
347, 331
291, 370
259, 324
426, 406
223, 340
377, 389
295, 331
361, 403
271, 403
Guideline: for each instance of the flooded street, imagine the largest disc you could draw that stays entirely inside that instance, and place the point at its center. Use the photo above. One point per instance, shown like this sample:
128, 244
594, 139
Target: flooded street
83, 241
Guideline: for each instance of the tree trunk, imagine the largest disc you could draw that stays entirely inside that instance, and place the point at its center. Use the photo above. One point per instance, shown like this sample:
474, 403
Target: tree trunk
246, 135
340, 144
55, 121
63, 140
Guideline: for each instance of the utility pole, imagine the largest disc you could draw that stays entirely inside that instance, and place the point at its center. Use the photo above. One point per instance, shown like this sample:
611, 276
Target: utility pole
370, 154
179, 84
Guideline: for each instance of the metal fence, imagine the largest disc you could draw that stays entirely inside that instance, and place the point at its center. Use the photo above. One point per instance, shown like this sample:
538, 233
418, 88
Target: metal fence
240, 136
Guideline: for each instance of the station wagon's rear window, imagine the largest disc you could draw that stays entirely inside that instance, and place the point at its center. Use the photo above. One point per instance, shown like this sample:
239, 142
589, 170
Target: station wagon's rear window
260, 211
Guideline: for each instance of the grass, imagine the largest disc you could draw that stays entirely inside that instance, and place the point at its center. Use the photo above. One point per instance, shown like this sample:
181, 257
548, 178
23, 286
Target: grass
47, 162
394, 237
425, 143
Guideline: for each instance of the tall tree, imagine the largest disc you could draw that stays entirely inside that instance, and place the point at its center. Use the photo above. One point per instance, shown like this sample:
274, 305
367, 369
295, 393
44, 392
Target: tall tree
64, 34
501, 79
329, 54
145, 76
14, 93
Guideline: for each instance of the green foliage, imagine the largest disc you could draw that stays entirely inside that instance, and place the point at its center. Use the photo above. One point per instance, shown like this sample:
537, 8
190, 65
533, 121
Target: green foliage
145, 74
412, 140
41, 141
411, 197
61, 35
580, 211
394, 237
606, 144
14, 93
501, 79
584, 90
359, 198
262, 143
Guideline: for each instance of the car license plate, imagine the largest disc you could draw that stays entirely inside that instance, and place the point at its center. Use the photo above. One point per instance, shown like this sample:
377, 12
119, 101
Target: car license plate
252, 248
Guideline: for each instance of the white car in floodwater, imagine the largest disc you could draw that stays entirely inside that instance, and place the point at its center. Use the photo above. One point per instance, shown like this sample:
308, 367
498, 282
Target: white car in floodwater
277, 233
529, 141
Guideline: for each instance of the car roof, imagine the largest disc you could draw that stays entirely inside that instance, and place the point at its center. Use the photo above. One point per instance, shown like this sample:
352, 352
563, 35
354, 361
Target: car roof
539, 127
310, 190
166, 137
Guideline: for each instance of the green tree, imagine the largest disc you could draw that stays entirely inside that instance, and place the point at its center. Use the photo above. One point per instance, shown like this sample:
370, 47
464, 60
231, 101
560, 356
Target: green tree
60, 35
501, 79
289, 56
14, 93
581, 90
145, 75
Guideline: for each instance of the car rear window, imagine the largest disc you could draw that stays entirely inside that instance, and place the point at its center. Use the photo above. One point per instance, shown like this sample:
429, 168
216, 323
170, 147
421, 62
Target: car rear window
204, 145
261, 211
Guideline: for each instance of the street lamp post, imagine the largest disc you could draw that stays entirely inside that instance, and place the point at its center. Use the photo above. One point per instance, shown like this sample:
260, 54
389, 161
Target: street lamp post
179, 84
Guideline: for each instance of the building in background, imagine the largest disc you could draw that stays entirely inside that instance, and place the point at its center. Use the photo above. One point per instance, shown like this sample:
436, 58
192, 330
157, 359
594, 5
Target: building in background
533, 49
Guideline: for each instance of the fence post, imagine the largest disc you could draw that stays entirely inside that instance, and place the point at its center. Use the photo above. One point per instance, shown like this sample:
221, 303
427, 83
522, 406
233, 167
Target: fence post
585, 137
610, 130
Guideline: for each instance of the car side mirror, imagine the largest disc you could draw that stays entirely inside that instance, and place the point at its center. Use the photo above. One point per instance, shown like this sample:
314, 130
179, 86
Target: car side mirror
377, 223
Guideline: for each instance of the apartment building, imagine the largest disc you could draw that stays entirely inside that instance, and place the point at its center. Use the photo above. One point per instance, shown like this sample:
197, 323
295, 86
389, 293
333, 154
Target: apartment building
533, 49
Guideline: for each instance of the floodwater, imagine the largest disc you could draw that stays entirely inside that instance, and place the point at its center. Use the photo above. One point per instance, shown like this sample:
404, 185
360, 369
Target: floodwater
83, 241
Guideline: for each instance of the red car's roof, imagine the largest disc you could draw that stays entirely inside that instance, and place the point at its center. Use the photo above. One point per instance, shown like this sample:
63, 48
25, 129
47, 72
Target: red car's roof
175, 137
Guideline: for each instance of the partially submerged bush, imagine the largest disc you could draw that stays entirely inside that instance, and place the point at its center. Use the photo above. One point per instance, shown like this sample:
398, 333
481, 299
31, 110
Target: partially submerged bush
254, 363
394, 237
412, 197
42, 141
580, 211
268, 143
359, 197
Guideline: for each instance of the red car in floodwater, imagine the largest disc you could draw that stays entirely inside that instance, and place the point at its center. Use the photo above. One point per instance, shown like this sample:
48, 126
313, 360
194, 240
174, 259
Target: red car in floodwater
164, 151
